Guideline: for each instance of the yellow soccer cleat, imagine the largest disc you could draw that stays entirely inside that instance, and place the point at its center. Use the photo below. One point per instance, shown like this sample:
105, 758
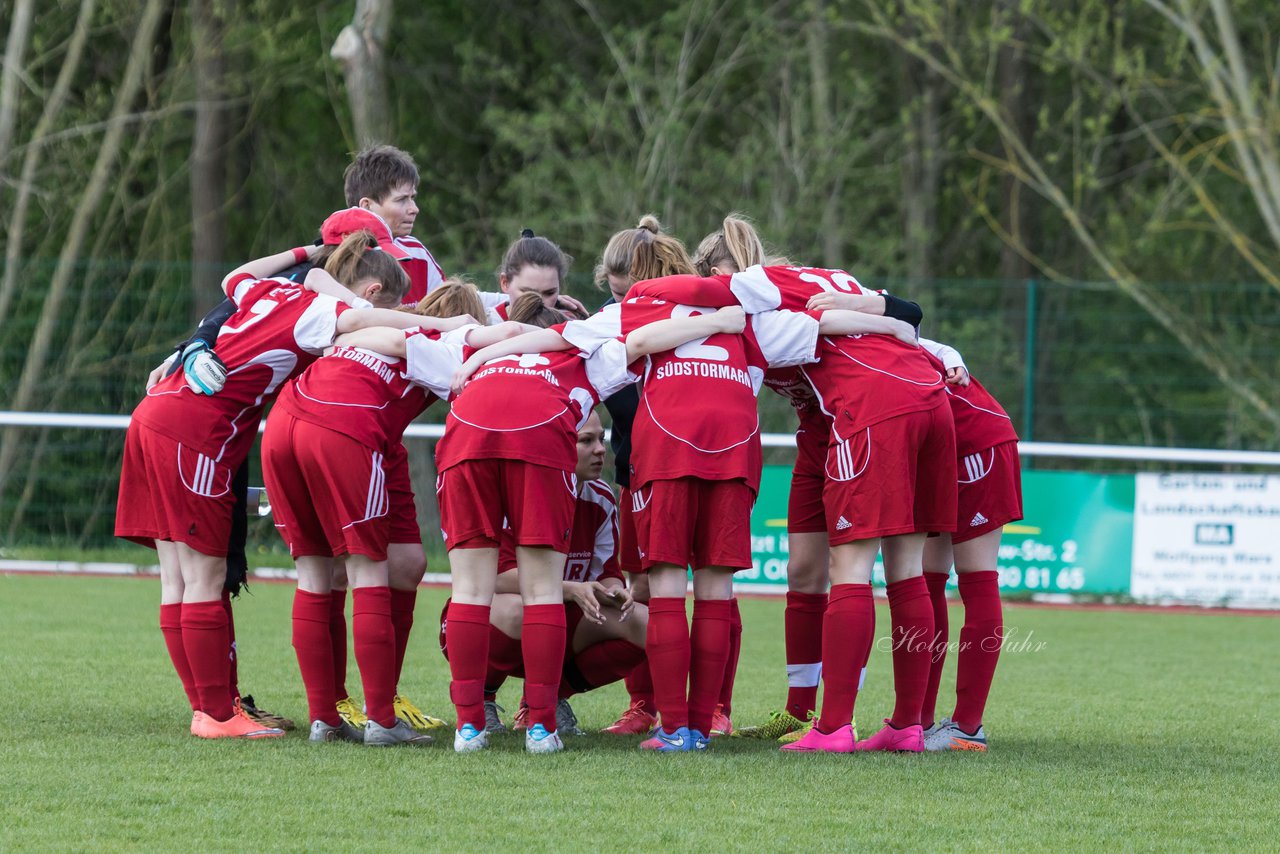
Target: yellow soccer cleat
351, 713
415, 717
778, 725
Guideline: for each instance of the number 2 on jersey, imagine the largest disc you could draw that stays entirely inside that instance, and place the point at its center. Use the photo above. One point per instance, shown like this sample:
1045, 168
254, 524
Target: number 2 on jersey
698, 348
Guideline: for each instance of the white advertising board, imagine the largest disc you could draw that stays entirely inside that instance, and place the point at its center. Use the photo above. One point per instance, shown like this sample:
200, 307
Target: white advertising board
1211, 538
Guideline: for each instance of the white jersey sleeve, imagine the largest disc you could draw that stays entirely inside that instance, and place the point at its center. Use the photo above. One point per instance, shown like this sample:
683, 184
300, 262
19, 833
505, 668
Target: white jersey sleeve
786, 338
318, 325
950, 356
432, 363
591, 334
607, 369
754, 290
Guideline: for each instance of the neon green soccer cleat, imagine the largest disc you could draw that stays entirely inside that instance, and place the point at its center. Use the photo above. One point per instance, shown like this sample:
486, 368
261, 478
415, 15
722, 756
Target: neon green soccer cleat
778, 725
351, 713
415, 717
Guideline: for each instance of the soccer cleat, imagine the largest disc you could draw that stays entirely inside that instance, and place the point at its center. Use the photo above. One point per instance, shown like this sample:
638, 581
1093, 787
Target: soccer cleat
841, 740
415, 717
538, 740
720, 723
777, 725
239, 725
947, 735
698, 741
566, 720
376, 735
521, 721
800, 733
669, 742
321, 731
636, 720
909, 739
262, 716
492, 720
351, 713
469, 739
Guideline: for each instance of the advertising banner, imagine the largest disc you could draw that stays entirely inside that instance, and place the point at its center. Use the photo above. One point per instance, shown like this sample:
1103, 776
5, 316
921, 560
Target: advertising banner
1076, 538
1212, 538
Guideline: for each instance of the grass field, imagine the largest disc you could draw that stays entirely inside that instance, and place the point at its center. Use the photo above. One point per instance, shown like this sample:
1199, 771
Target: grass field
1109, 730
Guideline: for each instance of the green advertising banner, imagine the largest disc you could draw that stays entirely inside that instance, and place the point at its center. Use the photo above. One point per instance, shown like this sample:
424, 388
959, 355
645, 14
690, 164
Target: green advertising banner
1077, 536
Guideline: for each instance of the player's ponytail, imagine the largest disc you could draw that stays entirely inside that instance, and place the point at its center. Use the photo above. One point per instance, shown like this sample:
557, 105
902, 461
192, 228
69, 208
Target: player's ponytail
358, 259
529, 308
664, 255
736, 244
453, 297
620, 254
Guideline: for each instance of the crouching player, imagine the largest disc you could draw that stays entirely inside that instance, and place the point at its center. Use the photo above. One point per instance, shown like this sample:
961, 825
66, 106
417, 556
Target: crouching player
605, 627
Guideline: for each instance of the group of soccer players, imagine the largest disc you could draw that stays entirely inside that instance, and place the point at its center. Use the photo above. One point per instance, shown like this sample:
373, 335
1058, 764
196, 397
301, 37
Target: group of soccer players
900, 453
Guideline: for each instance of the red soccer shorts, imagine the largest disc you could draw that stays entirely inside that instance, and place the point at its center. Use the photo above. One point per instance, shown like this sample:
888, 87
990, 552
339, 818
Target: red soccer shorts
990, 494
403, 518
628, 546
805, 513
170, 492
477, 495
328, 492
893, 478
692, 522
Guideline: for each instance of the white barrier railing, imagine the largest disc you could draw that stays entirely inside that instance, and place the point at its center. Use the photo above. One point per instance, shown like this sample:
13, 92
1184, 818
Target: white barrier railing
1207, 456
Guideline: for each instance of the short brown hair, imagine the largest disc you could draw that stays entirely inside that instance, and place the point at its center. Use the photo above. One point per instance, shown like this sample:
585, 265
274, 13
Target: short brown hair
376, 172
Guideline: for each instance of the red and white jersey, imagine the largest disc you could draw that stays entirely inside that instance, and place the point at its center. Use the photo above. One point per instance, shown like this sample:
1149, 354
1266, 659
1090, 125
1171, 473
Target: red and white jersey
593, 544
371, 397
498, 312
424, 271
279, 329
981, 421
697, 414
530, 407
860, 380
792, 384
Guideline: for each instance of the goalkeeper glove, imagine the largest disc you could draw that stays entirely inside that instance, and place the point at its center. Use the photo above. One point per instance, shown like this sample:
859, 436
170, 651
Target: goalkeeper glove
205, 372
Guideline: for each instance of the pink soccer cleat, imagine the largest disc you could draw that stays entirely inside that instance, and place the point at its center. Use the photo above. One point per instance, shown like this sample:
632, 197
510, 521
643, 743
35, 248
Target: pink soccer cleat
816, 741
909, 739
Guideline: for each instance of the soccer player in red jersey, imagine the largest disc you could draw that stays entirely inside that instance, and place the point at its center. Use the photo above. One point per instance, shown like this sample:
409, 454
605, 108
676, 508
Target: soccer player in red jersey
889, 466
330, 499
606, 628
989, 497
531, 265
182, 448
632, 255
498, 461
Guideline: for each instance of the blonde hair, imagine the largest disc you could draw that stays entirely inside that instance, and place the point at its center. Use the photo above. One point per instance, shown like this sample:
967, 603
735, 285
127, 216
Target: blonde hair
529, 308
736, 243
358, 258
453, 297
643, 252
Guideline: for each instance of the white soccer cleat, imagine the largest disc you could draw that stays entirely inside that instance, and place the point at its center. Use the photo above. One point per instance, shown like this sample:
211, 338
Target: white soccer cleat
469, 739
946, 735
538, 740
376, 735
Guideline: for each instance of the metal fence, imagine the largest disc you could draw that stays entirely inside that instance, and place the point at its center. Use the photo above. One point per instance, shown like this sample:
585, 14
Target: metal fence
1076, 363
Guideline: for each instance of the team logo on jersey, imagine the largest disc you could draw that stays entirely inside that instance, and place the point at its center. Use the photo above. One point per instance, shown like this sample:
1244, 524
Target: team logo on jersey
978, 519
843, 524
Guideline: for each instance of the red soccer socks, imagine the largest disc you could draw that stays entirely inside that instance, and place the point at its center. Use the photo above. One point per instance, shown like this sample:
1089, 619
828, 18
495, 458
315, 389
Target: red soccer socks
802, 623
847, 628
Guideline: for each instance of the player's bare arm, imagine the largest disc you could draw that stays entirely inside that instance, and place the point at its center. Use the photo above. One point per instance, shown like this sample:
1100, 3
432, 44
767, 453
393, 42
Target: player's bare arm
671, 333
840, 322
